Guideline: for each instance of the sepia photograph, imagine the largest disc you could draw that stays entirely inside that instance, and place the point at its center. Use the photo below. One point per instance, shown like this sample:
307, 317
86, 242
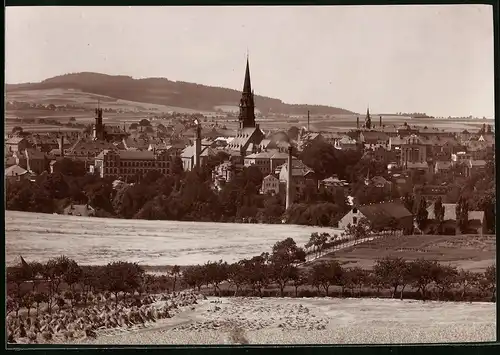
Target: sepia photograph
230, 175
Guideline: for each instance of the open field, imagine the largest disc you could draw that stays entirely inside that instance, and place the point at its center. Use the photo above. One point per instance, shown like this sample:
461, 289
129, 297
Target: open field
96, 241
38, 128
142, 110
87, 100
317, 321
473, 253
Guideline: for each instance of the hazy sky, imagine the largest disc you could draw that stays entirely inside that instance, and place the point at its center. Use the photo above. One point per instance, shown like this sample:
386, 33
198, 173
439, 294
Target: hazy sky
433, 59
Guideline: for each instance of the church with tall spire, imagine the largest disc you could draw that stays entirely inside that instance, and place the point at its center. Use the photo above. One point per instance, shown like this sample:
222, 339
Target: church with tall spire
247, 106
248, 135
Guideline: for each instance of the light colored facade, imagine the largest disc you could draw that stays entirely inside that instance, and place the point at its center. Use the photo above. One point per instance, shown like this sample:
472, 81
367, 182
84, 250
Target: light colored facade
16, 144
351, 218
131, 163
414, 153
16, 173
270, 185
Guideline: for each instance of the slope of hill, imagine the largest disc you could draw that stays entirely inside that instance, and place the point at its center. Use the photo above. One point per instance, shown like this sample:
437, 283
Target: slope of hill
162, 91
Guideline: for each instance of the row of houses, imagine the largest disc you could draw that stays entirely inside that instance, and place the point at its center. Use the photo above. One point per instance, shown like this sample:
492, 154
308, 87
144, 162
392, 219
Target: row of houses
394, 215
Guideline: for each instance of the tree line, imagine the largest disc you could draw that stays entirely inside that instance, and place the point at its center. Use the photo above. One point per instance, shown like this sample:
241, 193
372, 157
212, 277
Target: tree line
61, 282
262, 275
188, 196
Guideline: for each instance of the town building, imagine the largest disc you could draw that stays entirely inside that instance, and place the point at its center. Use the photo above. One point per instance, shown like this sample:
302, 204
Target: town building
381, 216
188, 156
302, 177
79, 210
16, 144
270, 185
31, 160
16, 173
333, 184
476, 224
130, 164
414, 154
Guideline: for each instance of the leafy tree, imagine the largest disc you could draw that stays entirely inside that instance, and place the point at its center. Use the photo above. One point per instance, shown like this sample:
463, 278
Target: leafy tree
298, 278
175, 273
422, 214
394, 272
359, 278
490, 280
144, 123
326, 274
194, 276
216, 273
236, 276
122, 277
466, 279
408, 201
439, 214
27, 301
257, 271
422, 274
72, 274
39, 298
282, 260
462, 213
444, 277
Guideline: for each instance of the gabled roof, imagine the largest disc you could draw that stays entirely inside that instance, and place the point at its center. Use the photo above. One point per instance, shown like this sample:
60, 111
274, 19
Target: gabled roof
15, 140
261, 155
384, 211
270, 177
189, 151
450, 213
15, 170
79, 210
375, 135
476, 163
443, 165
396, 141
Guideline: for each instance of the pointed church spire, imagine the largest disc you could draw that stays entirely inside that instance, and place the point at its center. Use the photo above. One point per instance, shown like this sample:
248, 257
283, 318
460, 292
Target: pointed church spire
368, 111
247, 87
247, 106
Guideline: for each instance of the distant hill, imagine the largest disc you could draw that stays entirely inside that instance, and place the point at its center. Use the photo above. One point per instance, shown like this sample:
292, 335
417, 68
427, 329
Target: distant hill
162, 91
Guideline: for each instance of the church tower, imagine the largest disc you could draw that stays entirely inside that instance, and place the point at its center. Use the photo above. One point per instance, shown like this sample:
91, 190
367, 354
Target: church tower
247, 106
368, 120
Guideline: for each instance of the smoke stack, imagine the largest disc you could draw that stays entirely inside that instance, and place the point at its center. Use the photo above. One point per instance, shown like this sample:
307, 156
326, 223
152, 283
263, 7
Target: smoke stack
197, 146
61, 145
380, 121
357, 122
289, 179
308, 120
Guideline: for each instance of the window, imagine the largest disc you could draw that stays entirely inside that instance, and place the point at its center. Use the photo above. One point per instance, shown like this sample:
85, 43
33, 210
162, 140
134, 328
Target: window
354, 210
354, 220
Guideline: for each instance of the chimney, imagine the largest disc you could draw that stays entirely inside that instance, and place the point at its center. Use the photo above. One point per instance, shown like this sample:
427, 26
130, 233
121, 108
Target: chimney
289, 179
380, 121
308, 120
357, 122
197, 147
61, 145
